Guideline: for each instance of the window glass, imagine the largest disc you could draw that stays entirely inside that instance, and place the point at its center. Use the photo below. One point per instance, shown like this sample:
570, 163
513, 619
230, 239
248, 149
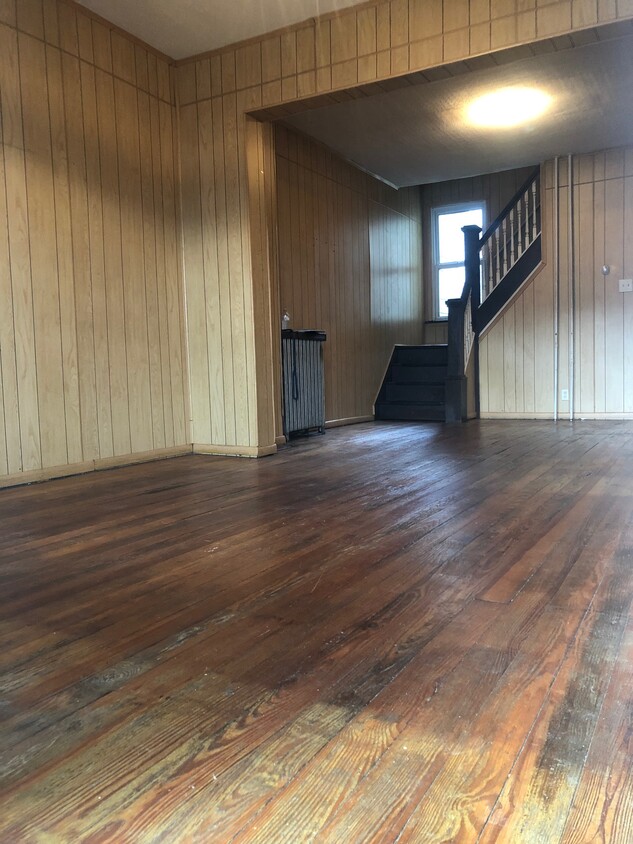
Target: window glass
448, 251
451, 284
451, 236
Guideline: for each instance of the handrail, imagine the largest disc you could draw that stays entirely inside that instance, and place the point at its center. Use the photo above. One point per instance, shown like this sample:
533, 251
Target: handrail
489, 259
462, 330
506, 210
510, 235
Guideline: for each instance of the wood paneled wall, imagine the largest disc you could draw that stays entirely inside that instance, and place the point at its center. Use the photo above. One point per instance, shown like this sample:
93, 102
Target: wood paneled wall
93, 366
349, 263
494, 190
517, 354
322, 56
91, 333
217, 206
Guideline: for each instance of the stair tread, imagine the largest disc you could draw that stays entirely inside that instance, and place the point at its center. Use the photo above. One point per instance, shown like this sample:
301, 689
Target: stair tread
414, 386
411, 403
418, 383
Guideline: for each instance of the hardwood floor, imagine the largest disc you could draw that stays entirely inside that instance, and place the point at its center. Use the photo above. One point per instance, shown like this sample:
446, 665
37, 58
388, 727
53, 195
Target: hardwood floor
411, 633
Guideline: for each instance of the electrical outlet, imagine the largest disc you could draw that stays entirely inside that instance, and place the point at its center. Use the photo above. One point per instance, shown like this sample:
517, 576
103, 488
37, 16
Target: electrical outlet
626, 285
564, 395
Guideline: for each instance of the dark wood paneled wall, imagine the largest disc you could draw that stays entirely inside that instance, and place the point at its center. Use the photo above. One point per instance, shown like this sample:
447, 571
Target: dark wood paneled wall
349, 263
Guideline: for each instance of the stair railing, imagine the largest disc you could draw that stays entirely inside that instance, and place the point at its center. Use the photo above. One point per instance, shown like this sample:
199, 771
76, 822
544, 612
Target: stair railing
511, 234
489, 259
463, 340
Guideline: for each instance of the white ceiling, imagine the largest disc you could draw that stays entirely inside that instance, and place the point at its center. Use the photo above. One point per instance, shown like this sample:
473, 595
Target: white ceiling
183, 28
417, 135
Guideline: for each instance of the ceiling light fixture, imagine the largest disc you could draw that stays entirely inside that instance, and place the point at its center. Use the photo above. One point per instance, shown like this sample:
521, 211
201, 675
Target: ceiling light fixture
507, 107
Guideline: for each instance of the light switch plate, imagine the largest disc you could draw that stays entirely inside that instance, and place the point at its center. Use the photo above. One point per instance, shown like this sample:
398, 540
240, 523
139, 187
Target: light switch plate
626, 285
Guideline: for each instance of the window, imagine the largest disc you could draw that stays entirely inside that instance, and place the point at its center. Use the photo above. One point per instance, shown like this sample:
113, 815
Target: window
448, 251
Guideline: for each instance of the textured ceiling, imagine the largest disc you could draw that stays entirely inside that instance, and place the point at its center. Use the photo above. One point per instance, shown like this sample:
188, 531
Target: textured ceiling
182, 28
417, 135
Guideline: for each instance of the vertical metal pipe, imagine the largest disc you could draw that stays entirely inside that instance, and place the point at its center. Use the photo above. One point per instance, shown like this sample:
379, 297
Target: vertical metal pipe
555, 239
572, 285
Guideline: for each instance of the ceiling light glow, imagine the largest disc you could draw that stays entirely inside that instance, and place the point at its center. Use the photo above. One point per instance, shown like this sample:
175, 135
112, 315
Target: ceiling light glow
507, 107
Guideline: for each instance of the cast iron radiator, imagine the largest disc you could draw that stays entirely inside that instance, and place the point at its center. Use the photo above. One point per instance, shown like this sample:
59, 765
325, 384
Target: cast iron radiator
303, 382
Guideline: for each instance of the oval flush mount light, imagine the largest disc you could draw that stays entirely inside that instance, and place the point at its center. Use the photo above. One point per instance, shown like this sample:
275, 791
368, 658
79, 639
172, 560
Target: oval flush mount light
507, 107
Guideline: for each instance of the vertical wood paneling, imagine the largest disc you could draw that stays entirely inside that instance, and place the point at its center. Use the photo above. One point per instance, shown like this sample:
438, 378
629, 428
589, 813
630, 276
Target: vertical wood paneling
81, 269
92, 358
614, 300
43, 251
91, 334
115, 301
603, 341
95, 310
402, 35
349, 264
132, 265
173, 283
627, 271
212, 306
162, 249
65, 268
194, 271
150, 270
11, 447
583, 201
219, 170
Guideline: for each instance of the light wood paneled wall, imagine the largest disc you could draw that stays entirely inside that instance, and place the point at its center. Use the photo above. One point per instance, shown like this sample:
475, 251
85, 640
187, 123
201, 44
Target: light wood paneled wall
349, 263
322, 57
93, 365
517, 354
384, 39
92, 360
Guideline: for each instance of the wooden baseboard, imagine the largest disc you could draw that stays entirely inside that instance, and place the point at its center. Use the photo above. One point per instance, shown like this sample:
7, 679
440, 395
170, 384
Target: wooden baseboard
589, 417
526, 415
33, 476
562, 417
234, 450
280, 440
350, 420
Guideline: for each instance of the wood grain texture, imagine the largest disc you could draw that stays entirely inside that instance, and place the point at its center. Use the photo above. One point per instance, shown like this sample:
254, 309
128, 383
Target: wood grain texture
518, 378
210, 649
374, 43
91, 332
94, 352
349, 254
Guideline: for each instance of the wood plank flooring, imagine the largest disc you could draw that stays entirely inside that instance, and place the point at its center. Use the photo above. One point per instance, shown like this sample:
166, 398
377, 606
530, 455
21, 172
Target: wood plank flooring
411, 633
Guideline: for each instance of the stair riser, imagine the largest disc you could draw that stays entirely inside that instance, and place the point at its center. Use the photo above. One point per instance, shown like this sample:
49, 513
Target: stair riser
421, 356
414, 393
411, 413
418, 374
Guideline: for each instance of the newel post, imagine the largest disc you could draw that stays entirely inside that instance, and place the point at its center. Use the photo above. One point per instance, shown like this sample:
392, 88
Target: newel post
472, 264
456, 392
455, 407
472, 259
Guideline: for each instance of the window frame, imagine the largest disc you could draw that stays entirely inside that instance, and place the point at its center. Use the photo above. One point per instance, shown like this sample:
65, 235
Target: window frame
436, 212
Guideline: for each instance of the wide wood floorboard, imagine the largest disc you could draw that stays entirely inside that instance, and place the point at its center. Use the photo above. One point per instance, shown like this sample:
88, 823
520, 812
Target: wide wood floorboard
393, 633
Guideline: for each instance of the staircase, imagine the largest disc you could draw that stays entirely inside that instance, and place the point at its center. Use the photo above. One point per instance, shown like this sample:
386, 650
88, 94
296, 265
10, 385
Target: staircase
430, 383
414, 385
